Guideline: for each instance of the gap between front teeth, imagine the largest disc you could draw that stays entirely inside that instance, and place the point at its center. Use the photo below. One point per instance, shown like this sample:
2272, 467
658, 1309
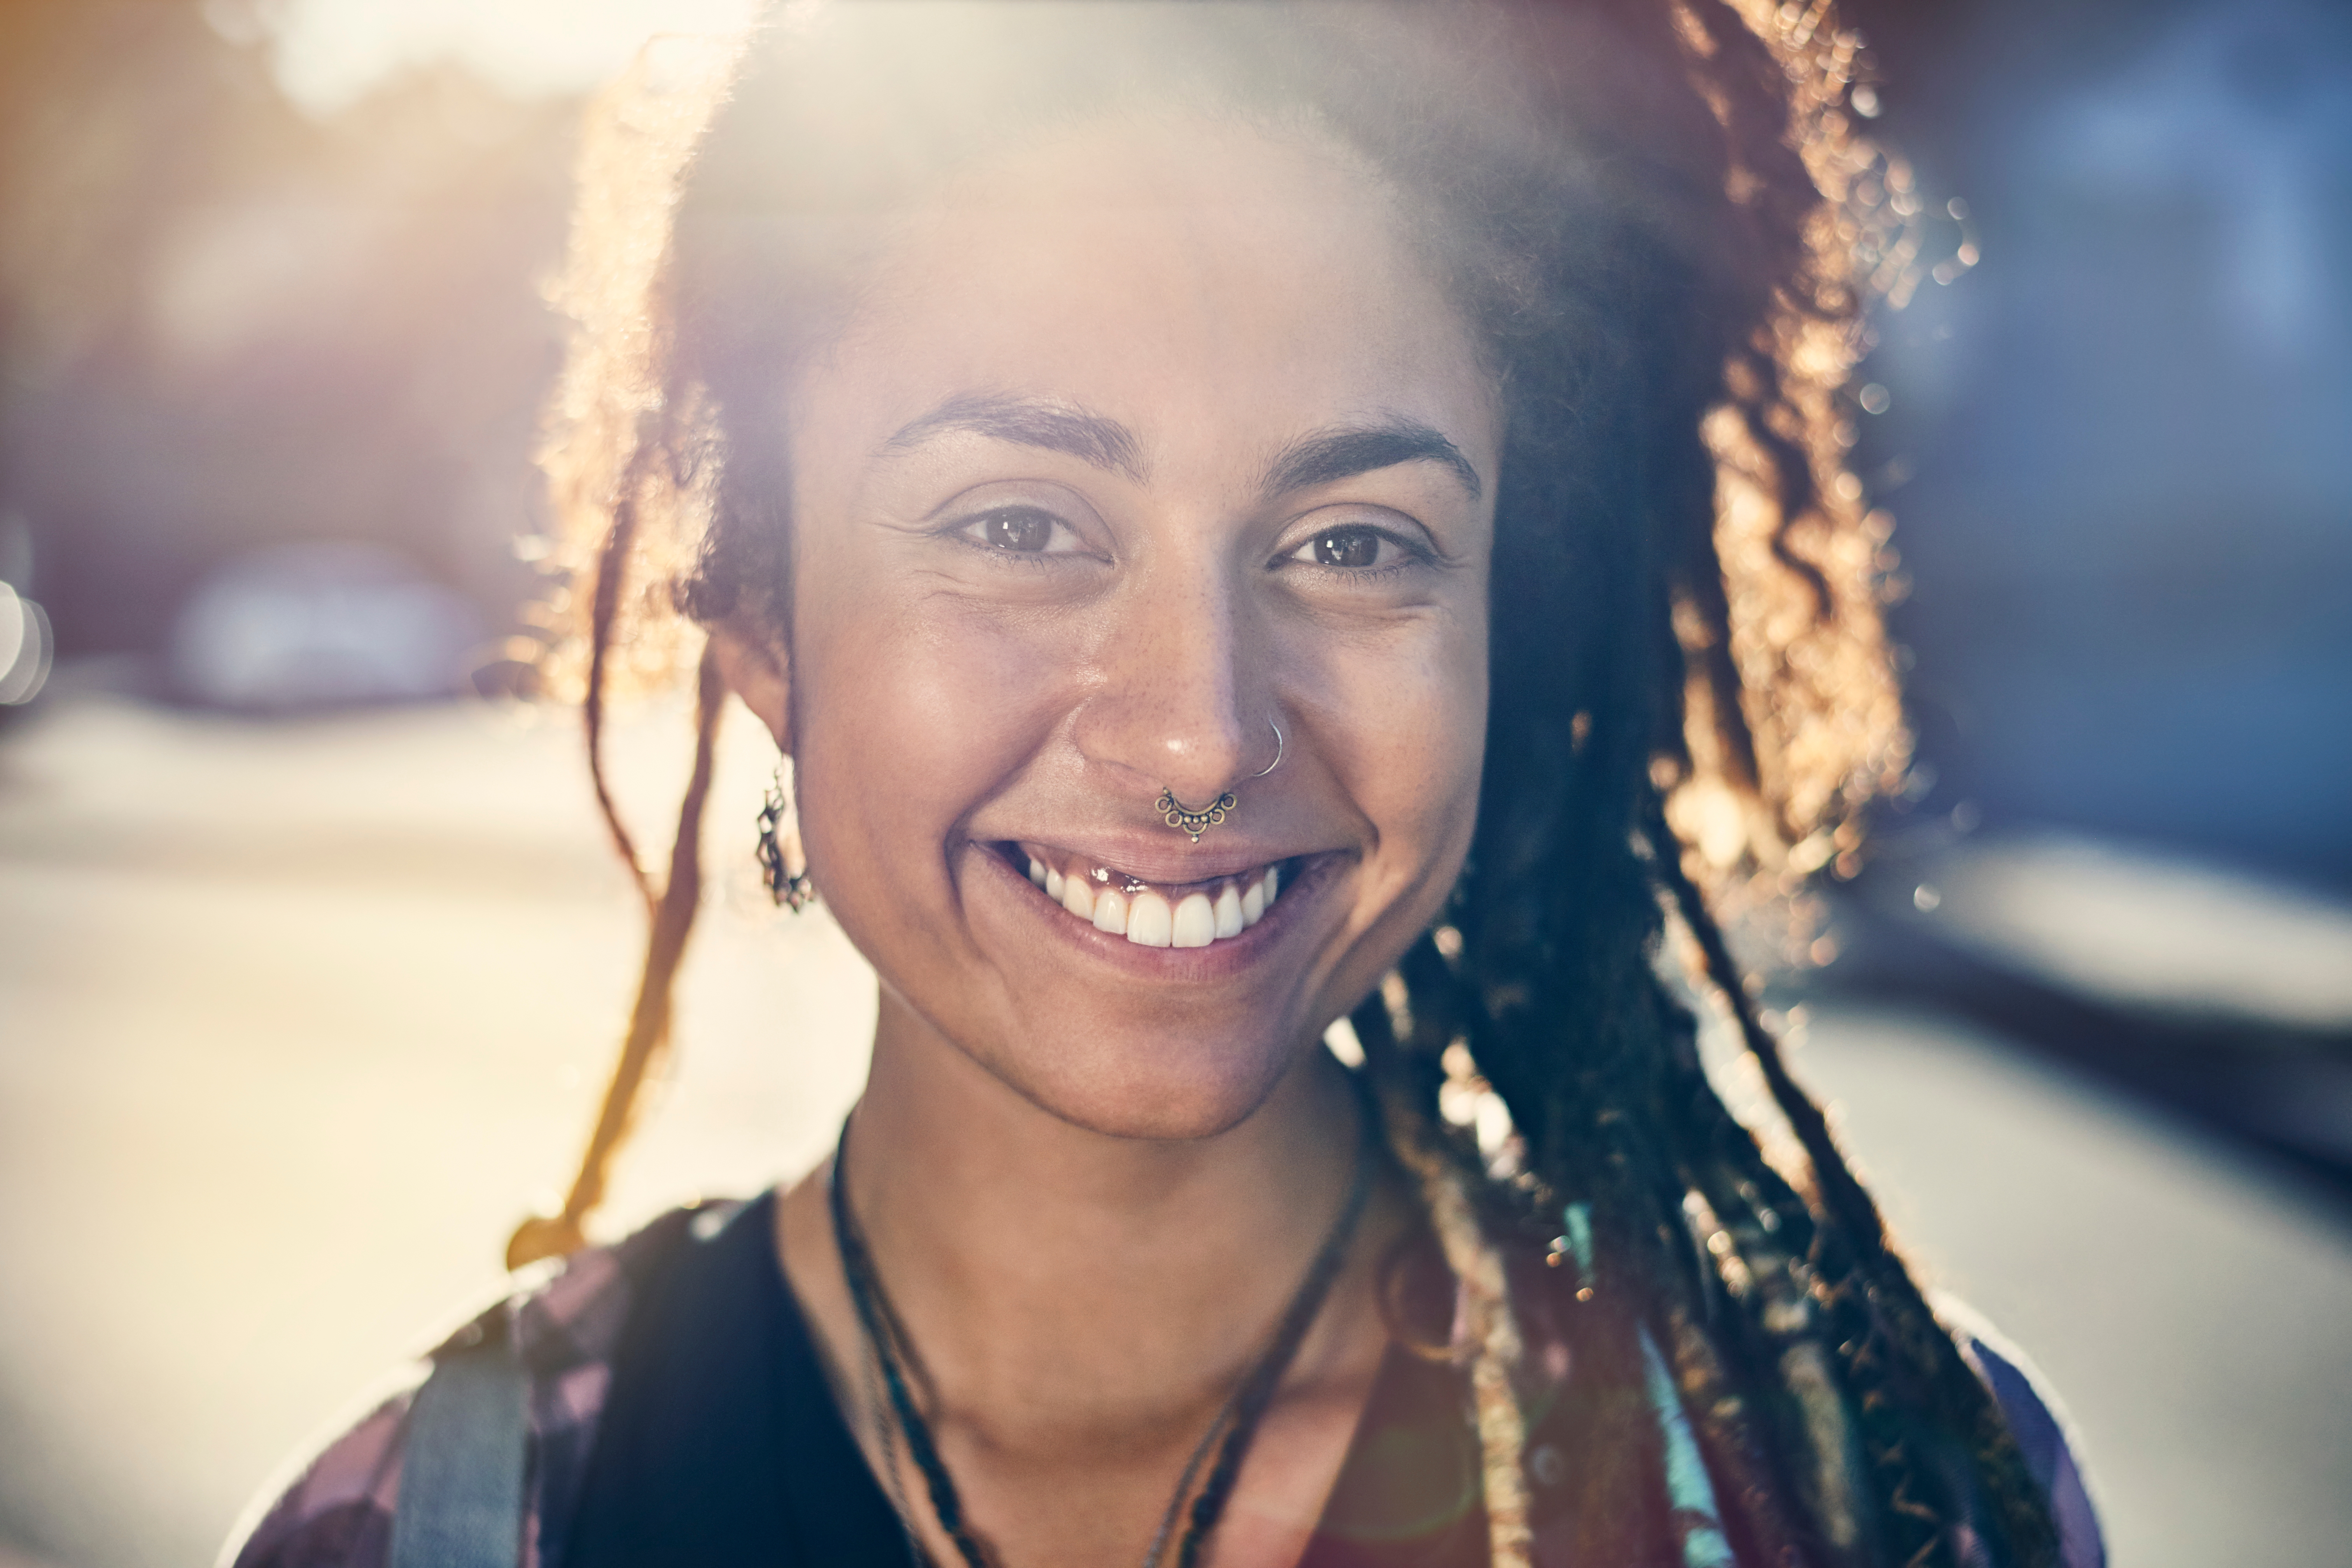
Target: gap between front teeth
1145, 917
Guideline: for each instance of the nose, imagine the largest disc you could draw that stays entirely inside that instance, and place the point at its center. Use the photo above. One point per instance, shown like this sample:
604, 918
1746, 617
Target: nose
1178, 707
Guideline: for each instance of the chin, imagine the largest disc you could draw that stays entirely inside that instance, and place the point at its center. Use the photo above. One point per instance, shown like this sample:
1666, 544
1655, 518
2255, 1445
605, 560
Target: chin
1152, 1086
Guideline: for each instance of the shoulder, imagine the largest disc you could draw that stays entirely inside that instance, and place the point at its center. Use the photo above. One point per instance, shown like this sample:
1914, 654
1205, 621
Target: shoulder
2039, 1422
337, 1510
2036, 1418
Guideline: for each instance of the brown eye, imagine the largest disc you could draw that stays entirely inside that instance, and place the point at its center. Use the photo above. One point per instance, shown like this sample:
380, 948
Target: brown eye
1348, 547
1028, 532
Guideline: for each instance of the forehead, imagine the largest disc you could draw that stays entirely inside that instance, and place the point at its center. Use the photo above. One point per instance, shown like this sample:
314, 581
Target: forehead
1179, 274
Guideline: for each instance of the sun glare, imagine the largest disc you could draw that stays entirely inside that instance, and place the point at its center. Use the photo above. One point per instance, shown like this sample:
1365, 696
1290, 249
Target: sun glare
328, 53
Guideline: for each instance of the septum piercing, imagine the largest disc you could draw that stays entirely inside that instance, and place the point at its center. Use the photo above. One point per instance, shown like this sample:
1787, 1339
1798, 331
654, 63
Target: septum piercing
1194, 821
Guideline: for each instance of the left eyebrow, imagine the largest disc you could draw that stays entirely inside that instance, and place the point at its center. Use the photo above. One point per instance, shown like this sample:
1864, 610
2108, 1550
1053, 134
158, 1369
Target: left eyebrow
1343, 453
1030, 422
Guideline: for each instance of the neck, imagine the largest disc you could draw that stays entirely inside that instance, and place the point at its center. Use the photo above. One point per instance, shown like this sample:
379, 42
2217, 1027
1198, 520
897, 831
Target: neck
1079, 1307
1044, 1266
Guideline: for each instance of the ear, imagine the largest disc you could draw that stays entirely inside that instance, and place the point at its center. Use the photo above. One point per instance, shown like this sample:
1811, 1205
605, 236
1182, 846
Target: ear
758, 669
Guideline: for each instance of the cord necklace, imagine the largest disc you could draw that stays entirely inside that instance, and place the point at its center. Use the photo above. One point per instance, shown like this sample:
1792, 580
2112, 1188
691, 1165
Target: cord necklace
887, 1341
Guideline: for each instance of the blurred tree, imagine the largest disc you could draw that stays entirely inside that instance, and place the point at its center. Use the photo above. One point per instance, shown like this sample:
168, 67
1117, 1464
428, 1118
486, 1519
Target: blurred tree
224, 325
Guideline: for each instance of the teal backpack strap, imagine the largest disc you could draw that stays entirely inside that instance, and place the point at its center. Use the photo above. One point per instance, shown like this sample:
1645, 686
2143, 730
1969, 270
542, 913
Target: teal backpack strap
461, 1471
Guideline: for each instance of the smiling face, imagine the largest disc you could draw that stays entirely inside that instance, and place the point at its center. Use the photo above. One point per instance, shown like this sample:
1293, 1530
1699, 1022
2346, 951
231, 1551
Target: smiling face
1143, 443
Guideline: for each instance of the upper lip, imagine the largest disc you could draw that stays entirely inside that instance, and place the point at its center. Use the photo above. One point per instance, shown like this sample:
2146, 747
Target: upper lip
1155, 859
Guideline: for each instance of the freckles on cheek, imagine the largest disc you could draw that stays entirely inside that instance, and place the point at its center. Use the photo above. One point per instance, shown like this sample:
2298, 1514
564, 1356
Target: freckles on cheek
1416, 730
1434, 792
915, 717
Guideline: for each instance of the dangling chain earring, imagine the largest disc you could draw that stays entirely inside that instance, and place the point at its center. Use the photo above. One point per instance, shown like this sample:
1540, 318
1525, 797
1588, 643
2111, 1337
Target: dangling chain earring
779, 849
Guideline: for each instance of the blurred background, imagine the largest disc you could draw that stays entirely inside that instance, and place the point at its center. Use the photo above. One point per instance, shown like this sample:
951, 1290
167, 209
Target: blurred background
310, 953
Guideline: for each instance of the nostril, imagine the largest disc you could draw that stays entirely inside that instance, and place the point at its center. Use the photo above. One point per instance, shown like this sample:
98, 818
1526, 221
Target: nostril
1235, 760
1170, 723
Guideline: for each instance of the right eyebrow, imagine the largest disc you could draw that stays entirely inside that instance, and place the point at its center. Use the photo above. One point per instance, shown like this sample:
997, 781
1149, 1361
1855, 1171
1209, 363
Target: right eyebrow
1030, 422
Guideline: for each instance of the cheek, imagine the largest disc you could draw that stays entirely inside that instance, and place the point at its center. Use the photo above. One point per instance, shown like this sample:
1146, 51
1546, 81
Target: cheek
900, 718
1409, 734
911, 709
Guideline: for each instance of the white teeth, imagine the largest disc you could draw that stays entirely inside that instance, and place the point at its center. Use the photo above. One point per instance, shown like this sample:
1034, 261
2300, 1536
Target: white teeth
1195, 924
1144, 916
1229, 911
1149, 922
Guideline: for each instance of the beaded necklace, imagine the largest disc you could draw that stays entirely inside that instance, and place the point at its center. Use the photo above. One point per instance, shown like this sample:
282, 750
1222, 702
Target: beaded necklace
887, 1342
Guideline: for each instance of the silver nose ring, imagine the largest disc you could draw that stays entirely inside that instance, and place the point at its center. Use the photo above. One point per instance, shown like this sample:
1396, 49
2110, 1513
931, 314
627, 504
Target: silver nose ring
1195, 820
1277, 752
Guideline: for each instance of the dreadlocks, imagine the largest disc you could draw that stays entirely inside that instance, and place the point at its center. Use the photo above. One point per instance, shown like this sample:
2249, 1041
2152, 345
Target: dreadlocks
1657, 218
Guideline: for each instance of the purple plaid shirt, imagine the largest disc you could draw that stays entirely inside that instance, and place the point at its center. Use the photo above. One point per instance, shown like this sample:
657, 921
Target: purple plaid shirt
567, 1327
338, 1513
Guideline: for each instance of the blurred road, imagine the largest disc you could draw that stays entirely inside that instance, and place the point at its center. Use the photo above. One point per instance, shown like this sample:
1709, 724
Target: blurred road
296, 1018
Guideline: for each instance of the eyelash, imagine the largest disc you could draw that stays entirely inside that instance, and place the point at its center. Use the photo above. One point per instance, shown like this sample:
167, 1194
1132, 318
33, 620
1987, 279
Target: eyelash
962, 529
1411, 554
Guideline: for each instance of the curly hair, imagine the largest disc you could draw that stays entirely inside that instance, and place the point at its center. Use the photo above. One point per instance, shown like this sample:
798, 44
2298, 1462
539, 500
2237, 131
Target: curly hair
1660, 221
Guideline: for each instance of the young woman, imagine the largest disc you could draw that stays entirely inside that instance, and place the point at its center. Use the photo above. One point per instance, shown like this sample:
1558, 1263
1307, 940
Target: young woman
1239, 518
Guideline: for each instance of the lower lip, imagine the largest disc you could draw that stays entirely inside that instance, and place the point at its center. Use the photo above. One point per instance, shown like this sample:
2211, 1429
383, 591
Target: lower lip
1304, 881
